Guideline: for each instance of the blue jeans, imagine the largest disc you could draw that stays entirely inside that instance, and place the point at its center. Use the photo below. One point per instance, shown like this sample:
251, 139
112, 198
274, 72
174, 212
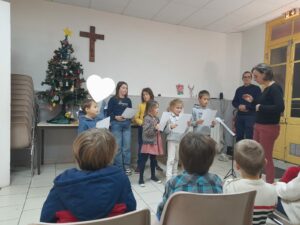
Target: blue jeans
122, 133
279, 207
244, 127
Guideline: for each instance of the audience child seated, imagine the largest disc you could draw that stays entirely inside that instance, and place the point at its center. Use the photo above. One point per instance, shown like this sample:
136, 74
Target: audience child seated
289, 194
152, 143
95, 190
197, 153
250, 160
290, 173
89, 115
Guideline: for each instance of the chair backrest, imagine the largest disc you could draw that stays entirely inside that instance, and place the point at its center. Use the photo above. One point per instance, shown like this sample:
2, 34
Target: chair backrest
139, 217
209, 209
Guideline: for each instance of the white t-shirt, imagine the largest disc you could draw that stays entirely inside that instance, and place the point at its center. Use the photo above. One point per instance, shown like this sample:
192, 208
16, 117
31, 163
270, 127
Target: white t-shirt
265, 199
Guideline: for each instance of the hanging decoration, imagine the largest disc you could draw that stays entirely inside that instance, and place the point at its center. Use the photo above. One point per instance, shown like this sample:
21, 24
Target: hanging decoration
191, 90
180, 89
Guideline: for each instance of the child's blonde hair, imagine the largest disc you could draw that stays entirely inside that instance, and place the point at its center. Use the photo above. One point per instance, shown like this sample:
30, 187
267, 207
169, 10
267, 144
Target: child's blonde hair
250, 156
94, 149
174, 102
87, 103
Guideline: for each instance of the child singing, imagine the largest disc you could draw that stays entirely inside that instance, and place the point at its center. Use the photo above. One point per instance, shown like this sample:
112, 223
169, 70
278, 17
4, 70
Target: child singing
152, 144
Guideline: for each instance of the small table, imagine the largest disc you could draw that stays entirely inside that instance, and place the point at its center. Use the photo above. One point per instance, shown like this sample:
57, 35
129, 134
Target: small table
41, 127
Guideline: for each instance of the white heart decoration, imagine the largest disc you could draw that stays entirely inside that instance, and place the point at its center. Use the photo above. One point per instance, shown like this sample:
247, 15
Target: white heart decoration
100, 88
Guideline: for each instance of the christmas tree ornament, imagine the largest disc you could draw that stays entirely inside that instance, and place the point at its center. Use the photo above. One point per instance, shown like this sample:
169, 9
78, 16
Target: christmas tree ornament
68, 115
67, 32
56, 98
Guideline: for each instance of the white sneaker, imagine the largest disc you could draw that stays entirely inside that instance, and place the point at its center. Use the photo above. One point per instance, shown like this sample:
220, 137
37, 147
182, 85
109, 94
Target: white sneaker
223, 157
142, 183
128, 172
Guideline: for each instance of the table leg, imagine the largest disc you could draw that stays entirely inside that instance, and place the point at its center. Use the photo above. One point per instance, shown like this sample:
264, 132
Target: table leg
43, 146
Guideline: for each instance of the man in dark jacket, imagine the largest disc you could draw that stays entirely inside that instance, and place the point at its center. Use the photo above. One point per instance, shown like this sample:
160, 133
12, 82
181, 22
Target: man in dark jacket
245, 118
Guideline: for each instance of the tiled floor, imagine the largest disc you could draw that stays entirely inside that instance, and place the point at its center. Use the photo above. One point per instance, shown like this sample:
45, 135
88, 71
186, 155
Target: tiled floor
21, 203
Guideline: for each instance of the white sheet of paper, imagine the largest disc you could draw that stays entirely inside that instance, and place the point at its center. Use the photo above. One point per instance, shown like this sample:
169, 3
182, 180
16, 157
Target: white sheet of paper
163, 120
128, 113
103, 123
182, 123
208, 116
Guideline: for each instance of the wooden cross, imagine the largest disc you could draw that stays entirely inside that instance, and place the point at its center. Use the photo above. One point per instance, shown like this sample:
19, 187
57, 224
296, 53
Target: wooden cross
93, 37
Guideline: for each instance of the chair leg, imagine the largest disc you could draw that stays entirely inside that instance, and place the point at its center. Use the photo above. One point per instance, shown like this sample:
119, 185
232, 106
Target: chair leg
32, 151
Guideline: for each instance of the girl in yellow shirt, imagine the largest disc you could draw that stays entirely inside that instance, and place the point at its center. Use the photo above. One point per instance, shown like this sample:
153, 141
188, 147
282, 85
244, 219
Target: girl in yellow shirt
146, 95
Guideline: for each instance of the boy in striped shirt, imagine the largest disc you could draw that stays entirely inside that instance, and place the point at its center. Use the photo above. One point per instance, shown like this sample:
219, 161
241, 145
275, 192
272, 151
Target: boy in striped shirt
250, 160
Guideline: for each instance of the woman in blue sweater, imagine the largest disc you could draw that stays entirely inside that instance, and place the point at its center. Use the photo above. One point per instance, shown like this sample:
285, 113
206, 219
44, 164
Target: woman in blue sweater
120, 127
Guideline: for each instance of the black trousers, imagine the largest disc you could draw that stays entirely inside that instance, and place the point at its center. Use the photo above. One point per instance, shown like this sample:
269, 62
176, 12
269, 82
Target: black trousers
144, 158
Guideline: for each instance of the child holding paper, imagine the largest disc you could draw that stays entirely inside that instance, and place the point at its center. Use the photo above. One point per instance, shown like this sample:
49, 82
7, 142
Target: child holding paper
120, 127
152, 144
197, 113
173, 137
90, 115
146, 95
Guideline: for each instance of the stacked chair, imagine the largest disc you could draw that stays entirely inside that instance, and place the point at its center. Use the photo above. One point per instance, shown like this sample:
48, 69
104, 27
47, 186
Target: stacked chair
24, 113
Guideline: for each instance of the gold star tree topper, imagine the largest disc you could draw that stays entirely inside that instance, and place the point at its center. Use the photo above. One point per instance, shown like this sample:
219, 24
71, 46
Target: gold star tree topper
67, 32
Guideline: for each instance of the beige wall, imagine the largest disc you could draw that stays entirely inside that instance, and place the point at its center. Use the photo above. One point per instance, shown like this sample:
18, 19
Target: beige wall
253, 45
141, 52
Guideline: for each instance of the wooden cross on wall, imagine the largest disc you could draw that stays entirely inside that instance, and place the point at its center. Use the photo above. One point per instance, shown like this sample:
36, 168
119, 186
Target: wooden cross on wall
93, 37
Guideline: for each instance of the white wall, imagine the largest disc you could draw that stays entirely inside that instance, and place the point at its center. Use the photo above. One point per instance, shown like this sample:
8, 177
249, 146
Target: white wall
233, 62
141, 52
5, 93
253, 45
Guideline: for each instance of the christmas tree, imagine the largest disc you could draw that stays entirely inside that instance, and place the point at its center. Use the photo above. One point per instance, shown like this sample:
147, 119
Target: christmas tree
65, 78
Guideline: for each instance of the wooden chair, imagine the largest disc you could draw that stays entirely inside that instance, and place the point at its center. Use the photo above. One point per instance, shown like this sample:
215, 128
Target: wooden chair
139, 217
209, 209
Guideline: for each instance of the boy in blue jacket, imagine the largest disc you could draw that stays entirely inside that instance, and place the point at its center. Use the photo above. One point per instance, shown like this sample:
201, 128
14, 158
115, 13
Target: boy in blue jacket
89, 115
96, 190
